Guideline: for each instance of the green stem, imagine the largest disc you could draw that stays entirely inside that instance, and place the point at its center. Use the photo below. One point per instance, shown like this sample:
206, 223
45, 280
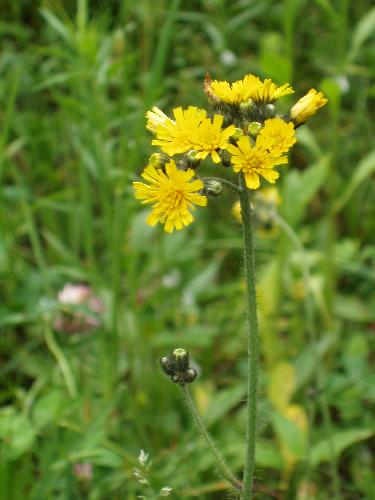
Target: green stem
222, 466
223, 181
253, 347
61, 361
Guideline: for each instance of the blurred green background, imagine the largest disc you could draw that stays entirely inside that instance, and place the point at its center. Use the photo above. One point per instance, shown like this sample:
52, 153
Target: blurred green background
81, 392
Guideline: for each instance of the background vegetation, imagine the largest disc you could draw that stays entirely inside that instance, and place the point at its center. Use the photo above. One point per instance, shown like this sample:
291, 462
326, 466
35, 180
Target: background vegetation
77, 407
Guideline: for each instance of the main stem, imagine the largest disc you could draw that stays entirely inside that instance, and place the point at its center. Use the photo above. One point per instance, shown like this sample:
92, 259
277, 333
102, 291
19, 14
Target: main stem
252, 344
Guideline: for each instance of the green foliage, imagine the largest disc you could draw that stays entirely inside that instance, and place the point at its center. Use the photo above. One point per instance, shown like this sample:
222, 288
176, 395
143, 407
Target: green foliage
76, 80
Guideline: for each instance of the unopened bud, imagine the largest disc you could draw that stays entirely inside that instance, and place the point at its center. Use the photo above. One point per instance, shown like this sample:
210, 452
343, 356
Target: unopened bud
180, 359
269, 111
166, 365
212, 187
156, 160
237, 134
254, 128
190, 375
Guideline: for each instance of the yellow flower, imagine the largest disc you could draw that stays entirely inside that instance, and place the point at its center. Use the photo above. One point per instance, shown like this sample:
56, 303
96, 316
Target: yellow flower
307, 106
174, 137
209, 137
172, 194
269, 196
236, 92
266, 203
156, 117
268, 92
254, 162
281, 133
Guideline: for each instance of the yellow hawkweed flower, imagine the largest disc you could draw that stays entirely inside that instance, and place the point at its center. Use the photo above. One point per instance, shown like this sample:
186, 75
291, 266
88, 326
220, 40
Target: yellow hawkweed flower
174, 137
254, 162
307, 106
268, 92
282, 134
156, 117
172, 194
269, 196
209, 137
236, 92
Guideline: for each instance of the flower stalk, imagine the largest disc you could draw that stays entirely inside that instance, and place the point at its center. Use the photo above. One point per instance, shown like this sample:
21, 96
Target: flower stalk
252, 337
222, 466
243, 133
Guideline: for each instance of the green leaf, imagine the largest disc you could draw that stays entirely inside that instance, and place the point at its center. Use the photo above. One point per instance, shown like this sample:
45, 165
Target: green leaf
58, 26
300, 188
223, 402
306, 362
354, 309
364, 29
15, 432
321, 452
47, 408
365, 168
290, 434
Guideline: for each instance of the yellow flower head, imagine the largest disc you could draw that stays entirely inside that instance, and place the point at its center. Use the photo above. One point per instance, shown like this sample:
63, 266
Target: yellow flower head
268, 92
269, 196
174, 137
156, 117
254, 162
278, 136
209, 137
172, 194
236, 92
266, 201
307, 106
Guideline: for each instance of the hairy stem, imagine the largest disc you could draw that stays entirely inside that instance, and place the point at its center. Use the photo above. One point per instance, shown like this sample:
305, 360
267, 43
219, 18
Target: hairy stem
222, 466
252, 345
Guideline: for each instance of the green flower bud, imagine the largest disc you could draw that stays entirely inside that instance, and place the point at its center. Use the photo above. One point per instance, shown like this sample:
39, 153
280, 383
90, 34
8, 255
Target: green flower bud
269, 111
190, 375
177, 379
156, 160
180, 359
212, 187
166, 365
237, 134
254, 128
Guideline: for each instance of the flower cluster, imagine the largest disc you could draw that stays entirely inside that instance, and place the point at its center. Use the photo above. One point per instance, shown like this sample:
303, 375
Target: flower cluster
177, 367
243, 131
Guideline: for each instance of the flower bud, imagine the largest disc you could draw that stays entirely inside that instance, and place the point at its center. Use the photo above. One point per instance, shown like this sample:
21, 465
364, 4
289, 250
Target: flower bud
269, 111
213, 187
166, 365
156, 160
180, 359
307, 106
190, 375
237, 134
254, 128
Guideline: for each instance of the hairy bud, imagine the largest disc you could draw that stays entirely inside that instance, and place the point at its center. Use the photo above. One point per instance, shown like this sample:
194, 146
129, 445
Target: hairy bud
212, 187
190, 375
180, 359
